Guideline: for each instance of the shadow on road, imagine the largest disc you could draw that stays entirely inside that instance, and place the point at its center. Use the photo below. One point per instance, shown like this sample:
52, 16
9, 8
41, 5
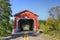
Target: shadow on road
20, 34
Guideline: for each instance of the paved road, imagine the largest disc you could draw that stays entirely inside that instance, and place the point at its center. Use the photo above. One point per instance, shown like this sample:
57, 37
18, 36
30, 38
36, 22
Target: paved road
30, 36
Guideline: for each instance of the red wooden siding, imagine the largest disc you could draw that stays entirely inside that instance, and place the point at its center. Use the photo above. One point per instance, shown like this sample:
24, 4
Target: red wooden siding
29, 15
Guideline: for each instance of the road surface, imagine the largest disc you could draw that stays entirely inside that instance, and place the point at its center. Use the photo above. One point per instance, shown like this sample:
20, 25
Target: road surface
27, 36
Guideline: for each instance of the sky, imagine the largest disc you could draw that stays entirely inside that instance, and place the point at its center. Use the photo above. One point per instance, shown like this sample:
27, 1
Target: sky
39, 7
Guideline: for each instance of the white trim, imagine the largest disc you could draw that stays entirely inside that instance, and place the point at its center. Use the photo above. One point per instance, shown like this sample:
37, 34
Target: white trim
34, 25
17, 25
15, 30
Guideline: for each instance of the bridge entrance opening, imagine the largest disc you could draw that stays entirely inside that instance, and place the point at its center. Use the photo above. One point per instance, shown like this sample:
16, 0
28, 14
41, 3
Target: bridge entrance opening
26, 24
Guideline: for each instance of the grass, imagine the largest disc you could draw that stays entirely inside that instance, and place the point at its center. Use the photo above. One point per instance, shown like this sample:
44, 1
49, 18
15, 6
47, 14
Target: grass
54, 34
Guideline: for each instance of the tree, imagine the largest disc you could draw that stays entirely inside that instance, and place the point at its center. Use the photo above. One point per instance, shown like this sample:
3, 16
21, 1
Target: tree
5, 13
51, 22
42, 21
55, 12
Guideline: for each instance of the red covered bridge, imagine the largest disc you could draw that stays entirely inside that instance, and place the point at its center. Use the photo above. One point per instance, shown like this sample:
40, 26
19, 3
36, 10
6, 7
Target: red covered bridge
23, 18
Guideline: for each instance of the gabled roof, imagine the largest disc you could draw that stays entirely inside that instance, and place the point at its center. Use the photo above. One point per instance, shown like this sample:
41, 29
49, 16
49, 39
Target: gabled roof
23, 12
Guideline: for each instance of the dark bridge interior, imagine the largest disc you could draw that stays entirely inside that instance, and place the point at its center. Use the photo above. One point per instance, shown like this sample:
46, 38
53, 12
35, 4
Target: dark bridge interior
23, 22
